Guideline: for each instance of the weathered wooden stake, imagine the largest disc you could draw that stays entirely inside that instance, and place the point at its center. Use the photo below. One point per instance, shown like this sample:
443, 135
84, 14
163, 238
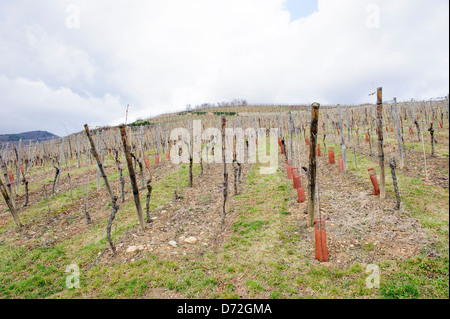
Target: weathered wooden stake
380, 143
344, 151
147, 201
393, 165
225, 206
399, 133
312, 163
98, 169
19, 162
431, 130
134, 185
78, 150
290, 138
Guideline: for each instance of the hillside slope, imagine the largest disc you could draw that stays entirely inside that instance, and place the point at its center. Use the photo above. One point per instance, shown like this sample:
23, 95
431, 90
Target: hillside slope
33, 135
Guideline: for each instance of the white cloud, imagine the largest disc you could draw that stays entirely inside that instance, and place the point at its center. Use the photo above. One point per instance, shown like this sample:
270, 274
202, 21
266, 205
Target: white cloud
161, 55
31, 105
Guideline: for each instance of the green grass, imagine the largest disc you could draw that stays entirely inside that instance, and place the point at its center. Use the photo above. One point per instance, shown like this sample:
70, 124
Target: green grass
41, 273
429, 204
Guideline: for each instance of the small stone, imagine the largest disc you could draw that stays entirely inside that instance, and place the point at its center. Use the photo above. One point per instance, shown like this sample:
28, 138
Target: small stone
173, 243
132, 259
191, 240
99, 253
131, 249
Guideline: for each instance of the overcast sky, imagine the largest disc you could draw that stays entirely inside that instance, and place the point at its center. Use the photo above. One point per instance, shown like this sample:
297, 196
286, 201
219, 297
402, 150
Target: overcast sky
76, 62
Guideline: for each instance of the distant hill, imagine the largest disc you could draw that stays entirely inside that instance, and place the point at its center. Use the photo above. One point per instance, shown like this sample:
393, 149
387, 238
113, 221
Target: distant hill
34, 136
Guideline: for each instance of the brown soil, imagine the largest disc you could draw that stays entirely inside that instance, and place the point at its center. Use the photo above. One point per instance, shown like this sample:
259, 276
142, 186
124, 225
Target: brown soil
360, 227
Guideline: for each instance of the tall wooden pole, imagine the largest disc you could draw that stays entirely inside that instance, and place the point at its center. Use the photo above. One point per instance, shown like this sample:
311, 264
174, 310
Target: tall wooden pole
225, 174
341, 127
98, 171
446, 100
312, 163
348, 128
19, 161
393, 165
142, 155
380, 142
78, 150
291, 133
134, 185
399, 133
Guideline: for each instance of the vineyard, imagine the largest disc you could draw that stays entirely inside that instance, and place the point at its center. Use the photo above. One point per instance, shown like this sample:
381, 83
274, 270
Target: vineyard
175, 206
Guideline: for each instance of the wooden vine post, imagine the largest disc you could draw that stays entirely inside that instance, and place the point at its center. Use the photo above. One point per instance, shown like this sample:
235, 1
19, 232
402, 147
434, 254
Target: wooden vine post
19, 162
190, 154
431, 130
134, 185
225, 206
78, 151
447, 102
349, 127
98, 170
399, 134
10, 204
312, 163
341, 127
290, 137
393, 165
380, 142
115, 207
